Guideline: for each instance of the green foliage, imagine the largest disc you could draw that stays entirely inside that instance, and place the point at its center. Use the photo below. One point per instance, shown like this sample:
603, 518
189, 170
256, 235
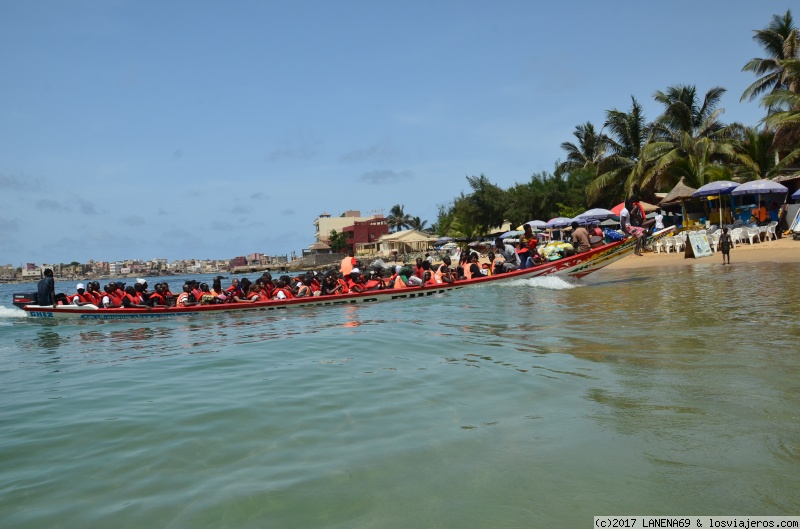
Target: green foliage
338, 241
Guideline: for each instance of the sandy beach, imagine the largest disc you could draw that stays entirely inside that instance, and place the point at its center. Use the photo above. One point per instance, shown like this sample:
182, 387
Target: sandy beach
785, 250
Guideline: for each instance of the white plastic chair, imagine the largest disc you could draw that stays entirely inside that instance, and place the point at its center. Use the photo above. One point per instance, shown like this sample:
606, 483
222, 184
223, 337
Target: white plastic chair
679, 242
713, 241
736, 236
659, 245
668, 242
751, 232
770, 233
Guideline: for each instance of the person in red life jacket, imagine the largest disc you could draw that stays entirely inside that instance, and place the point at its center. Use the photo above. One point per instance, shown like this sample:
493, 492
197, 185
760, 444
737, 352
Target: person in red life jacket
141, 287
418, 270
269, 284
304, 290
109, 300
133, 300
186, 298
82, 297
169, 297
234, 289
97, 293
282, 290
118, 292
206, 297
156, 298
473, 269
376, 280
444, 274
340, 279
252, 294
428, 279
355, 283
401, 281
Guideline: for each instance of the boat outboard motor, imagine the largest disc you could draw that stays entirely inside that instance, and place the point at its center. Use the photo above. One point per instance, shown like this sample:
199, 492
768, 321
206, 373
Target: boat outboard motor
26, 298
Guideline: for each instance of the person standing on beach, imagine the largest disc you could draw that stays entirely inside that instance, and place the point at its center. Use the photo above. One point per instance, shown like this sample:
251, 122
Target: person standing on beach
725, 244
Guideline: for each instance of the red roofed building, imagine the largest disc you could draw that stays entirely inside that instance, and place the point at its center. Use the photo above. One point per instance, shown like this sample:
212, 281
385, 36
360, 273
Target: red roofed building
366, 231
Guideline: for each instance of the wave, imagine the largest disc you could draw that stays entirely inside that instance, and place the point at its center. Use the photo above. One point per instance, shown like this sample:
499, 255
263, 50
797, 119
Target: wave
547, 282
12, 312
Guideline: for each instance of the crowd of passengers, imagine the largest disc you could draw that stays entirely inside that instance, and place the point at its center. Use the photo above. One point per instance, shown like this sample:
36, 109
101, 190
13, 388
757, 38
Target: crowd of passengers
348, 278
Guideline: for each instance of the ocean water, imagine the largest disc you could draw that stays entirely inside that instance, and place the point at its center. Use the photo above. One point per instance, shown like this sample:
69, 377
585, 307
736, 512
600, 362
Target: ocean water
517, 405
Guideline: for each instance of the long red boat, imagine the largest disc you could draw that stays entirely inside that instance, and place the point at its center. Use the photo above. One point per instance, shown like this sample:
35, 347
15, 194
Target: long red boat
577, 266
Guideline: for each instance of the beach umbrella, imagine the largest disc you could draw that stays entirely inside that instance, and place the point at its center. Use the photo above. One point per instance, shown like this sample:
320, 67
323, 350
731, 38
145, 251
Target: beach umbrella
558, 222
595, 214
537, 224
646, 206
511, 233
720, 187
760, 187
796, 195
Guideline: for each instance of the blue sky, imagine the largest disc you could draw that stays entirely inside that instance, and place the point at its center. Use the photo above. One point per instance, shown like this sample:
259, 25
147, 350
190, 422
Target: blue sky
204, 129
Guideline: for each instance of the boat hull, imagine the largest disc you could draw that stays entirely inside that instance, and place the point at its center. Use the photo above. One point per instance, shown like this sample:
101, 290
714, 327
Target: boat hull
578, 266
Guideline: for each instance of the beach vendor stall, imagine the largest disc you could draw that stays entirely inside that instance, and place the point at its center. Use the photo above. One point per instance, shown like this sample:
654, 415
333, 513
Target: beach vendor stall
720, 201
765, 193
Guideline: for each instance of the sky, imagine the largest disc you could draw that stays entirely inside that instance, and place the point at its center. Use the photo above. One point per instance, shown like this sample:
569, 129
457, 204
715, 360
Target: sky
198, 129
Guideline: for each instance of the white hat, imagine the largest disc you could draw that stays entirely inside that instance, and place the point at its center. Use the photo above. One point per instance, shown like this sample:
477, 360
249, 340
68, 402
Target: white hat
81, 286
141, 281
355, 271
398, 268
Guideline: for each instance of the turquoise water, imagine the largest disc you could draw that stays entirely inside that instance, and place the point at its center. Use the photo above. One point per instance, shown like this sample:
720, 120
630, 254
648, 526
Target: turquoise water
511, 405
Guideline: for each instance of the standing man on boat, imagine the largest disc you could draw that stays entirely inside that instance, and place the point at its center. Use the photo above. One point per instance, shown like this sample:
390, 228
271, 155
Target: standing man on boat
348, 263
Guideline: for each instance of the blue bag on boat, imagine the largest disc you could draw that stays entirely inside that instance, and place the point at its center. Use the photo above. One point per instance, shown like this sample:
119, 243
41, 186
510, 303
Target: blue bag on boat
612, 235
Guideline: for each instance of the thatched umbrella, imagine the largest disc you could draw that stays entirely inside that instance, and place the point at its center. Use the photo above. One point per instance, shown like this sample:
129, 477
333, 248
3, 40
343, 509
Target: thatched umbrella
679, 193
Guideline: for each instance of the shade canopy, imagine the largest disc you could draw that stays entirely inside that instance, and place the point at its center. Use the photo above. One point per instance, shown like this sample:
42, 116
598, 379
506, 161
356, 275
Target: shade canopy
720, 187
680, 192
647, 207
760, 187
595, 214
796, 195
558, 222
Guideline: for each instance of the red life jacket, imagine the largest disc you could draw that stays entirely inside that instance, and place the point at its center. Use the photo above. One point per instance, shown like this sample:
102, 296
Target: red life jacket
86, 297
113, 301
345, 288
136, 300
252, 295
286, 292
158, 298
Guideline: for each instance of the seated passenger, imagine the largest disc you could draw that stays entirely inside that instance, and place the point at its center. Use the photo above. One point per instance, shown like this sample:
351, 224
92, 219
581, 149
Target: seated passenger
206, 297
282, 290
109, 299
133, 300
472, 270
186, 298
82, 297
428, 280
354, 281
580, 238
157, 297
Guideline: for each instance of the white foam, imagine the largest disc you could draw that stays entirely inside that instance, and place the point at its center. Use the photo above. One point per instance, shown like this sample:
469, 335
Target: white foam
547, 282
13, 312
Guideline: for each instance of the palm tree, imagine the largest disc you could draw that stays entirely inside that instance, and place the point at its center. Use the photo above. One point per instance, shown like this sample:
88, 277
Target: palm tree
686, 139
397, 218
627, 135
588, 152
758, 148
785, 121
416, 223
780, 40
